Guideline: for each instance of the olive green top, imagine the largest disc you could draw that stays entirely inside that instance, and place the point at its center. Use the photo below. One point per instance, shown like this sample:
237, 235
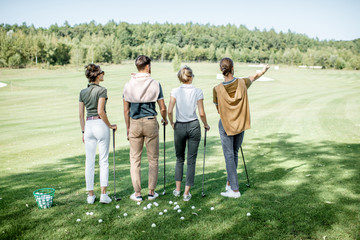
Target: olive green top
90, 97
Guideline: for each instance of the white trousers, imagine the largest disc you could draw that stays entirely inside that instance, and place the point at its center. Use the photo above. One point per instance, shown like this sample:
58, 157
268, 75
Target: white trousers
96, 133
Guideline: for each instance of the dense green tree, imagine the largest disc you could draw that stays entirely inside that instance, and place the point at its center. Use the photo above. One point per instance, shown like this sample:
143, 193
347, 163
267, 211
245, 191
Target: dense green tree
176, 62
15, 60
113, 42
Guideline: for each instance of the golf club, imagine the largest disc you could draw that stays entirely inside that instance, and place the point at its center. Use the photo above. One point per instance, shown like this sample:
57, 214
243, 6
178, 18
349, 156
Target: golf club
164, 192
202, 193
247, 176
115, 198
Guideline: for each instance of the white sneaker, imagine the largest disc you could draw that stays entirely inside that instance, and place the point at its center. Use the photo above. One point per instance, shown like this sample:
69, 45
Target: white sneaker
187, 197
152, 196
136, 198
104, 198
91, 199
227, 187
231, 194
176, 193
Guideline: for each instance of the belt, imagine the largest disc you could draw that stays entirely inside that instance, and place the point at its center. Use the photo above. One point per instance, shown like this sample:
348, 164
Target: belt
188, 121
148, 117
93, 118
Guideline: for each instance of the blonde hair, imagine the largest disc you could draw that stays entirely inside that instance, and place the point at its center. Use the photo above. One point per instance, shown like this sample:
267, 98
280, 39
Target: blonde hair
185, 74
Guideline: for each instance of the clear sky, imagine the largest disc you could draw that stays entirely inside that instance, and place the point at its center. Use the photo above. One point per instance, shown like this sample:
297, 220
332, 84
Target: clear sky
325, 19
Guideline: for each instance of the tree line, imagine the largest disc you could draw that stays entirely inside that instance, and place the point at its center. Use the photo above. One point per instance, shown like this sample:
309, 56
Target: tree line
23, 45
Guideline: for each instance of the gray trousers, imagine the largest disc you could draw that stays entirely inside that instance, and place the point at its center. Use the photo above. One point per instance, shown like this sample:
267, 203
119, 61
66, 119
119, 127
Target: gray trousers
231, 145
189, 132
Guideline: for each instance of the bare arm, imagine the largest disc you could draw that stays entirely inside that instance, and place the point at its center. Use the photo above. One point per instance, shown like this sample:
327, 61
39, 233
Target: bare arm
215, 99
170, 111
127, 117
202, 114
162, 106
81, 118
103, 115
257, 75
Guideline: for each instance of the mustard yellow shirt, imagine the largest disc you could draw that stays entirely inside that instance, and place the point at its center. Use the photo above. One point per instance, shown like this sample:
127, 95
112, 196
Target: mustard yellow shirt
233, 105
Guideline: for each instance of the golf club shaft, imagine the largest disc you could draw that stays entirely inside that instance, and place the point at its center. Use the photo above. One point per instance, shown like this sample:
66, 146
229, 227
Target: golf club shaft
114, 161
247, 176
204, 163
164, 161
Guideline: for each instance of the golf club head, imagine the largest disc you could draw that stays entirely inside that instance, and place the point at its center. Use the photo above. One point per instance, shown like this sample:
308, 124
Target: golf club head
203, 194
164, 192
248, 185
116, 199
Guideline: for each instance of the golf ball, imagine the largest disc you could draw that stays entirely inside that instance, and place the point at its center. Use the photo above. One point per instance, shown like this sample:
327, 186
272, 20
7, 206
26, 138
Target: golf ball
78, 220
171, 202
175, 203
125, 214
248, 214
160, 213
165, 210
193, 207
117, 206
145, 208
156, 204
100, 220
212, 208
177, 206
148, 206
91, 213
153, 225
87, 213
179, 211
138, 203
182, 218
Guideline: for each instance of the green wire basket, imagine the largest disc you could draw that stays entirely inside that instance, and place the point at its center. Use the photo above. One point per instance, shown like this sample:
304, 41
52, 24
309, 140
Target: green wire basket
44, 197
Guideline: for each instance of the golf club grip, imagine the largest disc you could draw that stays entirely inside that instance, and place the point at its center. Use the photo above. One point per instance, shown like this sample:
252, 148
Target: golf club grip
113, 139
205, 137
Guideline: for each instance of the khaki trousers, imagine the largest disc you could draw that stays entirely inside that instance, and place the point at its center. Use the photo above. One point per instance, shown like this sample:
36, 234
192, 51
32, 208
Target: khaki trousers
144, 129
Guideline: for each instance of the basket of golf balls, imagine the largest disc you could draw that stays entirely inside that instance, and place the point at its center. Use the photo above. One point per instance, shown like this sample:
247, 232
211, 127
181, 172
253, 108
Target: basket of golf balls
44, 197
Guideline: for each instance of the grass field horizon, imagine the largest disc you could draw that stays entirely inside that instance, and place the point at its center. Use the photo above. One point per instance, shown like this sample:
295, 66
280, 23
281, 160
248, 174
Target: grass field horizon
302, 154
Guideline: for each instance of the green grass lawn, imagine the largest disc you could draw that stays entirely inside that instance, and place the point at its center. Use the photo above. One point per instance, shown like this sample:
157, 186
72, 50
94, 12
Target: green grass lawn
302, 155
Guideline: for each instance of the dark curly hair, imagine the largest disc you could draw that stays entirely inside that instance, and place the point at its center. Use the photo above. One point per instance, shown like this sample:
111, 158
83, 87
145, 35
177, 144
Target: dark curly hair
92, 71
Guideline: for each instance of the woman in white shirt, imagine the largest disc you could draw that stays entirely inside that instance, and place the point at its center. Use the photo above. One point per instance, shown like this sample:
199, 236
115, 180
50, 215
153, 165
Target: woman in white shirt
186, 128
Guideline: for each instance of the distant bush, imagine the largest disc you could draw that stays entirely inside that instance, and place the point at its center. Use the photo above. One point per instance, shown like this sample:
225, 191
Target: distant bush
176, 62
2, 63
15, 61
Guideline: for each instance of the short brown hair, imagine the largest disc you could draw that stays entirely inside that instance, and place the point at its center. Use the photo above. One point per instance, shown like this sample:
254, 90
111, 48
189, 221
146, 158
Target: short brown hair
141, 62
185, 74
226, 65
92, 71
